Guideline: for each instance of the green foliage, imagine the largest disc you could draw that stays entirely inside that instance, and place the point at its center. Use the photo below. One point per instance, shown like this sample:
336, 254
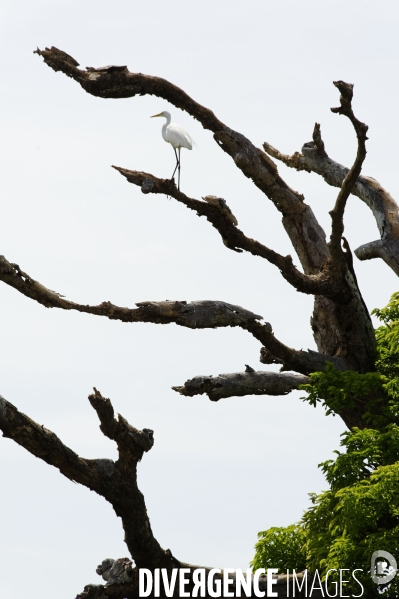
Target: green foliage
375, 393
281, 548
387, 362
359, 513
338, 390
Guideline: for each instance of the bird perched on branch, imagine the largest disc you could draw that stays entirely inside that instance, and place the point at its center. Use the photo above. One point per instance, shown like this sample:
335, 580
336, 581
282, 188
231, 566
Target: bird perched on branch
177, 137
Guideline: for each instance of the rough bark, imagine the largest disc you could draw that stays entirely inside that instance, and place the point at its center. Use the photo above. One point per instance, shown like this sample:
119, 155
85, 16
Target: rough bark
332, 279
337, 213
194, 315
299, 221
276, 352
305, 233
341, 323
384, 208
338, 300
121, 581
117, 483
220, 216
242, 383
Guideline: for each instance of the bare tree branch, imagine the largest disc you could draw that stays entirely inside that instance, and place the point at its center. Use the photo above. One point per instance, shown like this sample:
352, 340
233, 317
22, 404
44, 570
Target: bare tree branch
45, 445
194, 315
306, 235
124, 495
239, 384
333, 281
338, 268
340, 322
337, 213
261, 382
119, 82
336, 284
382, 205
296, 160
121, 582
276, 352
220, 216
115, 481
318, 142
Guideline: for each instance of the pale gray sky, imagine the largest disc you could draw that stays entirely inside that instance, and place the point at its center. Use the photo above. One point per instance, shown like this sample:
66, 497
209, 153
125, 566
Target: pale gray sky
218, 473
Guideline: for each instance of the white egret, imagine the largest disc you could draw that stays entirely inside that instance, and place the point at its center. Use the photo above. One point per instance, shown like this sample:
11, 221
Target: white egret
177, 137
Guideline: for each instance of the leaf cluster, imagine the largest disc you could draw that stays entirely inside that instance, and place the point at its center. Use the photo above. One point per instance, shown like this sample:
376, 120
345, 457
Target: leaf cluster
359, 513
375, 393
387, 361
338, 391
281, 547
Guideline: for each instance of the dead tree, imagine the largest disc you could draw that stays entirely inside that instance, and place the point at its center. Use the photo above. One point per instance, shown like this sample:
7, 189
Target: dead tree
341, 323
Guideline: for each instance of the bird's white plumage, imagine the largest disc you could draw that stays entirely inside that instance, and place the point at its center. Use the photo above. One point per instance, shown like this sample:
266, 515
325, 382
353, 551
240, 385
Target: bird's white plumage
174, 134
177, 137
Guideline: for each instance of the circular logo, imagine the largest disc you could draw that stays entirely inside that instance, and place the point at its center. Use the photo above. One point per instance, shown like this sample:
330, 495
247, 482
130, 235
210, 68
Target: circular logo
383, 572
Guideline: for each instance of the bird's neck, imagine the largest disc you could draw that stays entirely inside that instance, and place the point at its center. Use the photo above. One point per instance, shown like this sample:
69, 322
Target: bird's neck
164, 126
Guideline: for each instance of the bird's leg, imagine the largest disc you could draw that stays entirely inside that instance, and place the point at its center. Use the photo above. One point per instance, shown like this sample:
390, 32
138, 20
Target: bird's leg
178, 173
177, 163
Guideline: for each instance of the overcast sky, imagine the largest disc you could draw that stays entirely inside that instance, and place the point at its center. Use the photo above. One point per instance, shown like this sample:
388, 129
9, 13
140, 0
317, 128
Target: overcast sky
218, 472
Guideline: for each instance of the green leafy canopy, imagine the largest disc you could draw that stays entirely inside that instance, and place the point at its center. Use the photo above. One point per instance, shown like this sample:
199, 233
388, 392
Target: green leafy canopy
359, 513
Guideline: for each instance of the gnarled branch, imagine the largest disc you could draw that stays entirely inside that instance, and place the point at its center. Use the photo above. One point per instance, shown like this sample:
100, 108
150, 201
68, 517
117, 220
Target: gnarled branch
307, 236
337, 213
220, 216
121, 582
305, 233
239, 384
44, 444
353, 337
115, 481
382, 205
194, 315
203, 314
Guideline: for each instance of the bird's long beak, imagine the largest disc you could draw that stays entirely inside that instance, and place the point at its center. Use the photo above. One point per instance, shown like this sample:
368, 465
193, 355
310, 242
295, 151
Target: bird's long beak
154, 115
